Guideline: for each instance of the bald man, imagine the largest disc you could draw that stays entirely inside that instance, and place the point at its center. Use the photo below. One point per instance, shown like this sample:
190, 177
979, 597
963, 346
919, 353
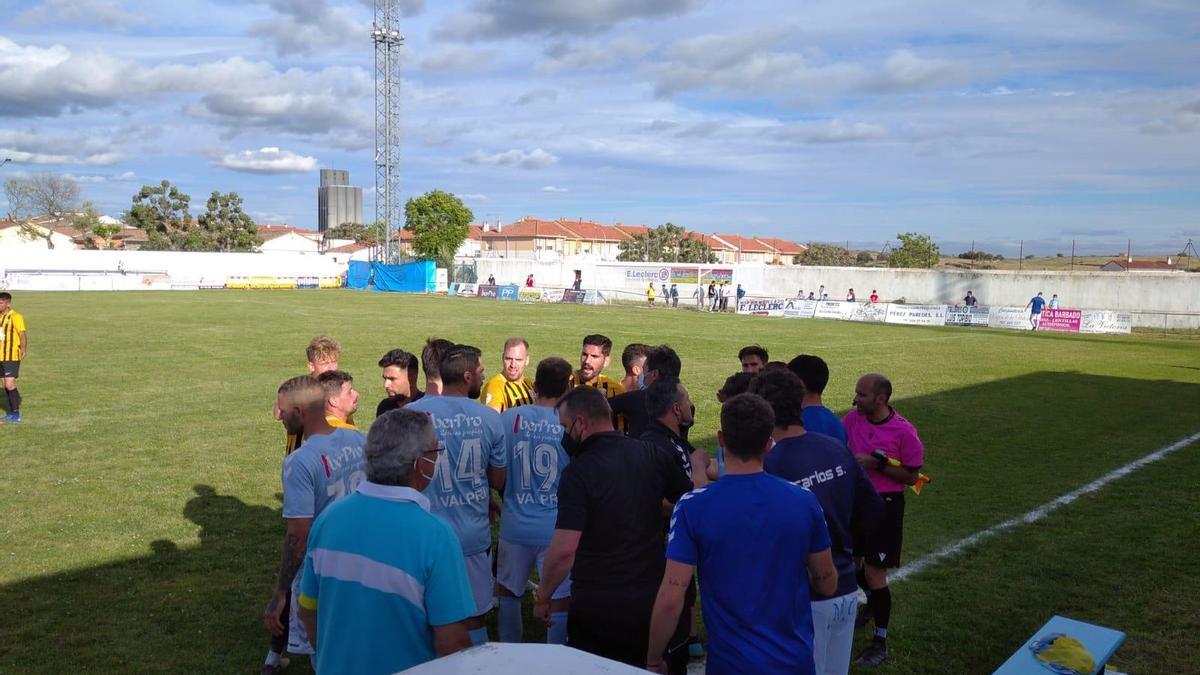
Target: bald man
877, 434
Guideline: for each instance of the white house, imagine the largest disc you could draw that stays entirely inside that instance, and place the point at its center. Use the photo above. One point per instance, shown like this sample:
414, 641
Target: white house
13, 236
284, 239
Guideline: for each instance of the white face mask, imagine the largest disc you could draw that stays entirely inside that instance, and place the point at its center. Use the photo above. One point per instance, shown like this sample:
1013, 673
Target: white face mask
418, 468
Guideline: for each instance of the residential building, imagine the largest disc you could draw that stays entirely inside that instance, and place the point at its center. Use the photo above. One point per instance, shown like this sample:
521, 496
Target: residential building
785, 251
284, 238
748, 250
1130, 265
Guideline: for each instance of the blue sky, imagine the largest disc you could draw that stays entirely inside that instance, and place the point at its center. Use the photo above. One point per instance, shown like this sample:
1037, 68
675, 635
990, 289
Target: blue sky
1042, 120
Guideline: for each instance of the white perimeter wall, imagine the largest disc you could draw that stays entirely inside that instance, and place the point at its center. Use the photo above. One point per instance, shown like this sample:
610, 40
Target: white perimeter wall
1177, 292
181, 267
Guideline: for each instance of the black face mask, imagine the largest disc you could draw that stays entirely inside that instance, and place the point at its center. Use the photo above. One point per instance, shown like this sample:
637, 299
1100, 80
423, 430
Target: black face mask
571, 446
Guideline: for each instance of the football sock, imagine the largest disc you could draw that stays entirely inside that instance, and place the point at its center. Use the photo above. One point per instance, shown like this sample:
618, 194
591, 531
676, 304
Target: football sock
14, 400
509, 620
557, 633
272, 658
881, 606
479, 636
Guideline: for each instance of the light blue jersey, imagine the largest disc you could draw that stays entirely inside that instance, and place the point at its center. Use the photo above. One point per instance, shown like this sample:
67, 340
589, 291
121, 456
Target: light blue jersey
471, 440
533, 440
325, 468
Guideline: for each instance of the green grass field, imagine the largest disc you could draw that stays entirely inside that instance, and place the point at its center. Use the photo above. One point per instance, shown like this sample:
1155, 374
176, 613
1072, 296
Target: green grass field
139, 501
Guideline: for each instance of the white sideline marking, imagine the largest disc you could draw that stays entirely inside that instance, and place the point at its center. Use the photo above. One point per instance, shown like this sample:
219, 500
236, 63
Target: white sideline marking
951, 550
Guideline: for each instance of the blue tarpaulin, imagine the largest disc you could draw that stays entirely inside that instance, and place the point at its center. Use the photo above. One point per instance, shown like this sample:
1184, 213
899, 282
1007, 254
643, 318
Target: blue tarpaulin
358, 276
413, 277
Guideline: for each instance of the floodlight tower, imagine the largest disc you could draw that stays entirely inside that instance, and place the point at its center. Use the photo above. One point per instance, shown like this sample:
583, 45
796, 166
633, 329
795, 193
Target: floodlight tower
388, 41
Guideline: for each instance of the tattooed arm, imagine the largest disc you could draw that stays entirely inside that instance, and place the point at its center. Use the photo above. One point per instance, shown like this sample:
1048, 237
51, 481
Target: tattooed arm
667, 607
295, 543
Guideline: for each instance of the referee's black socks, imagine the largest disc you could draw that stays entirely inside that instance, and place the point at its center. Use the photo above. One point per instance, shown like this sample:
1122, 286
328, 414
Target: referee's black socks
14, 400
881, 607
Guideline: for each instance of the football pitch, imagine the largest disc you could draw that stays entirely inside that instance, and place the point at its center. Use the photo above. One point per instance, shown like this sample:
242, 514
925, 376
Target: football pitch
140, 498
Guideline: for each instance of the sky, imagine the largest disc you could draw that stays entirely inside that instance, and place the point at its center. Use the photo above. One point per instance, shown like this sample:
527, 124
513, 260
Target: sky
1045, 121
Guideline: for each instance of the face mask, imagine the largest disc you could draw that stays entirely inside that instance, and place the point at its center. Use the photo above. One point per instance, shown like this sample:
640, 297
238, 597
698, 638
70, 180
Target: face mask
685, 425
418, 467
641, 380
571, 446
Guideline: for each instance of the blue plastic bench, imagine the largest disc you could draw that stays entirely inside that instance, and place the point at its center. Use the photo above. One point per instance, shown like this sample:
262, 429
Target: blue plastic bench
1100, 641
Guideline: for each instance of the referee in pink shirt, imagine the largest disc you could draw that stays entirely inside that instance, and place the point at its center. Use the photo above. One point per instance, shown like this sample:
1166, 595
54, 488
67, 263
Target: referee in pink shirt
876, 434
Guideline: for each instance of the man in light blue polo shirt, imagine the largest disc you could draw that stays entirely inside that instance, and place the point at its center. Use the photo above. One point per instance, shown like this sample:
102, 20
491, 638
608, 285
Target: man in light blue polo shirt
384, 585
471, 465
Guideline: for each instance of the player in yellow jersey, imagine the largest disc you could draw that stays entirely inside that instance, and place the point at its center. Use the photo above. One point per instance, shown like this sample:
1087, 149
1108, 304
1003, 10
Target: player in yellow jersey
14, 345
323, 353
510, 388
595, 357
341, 399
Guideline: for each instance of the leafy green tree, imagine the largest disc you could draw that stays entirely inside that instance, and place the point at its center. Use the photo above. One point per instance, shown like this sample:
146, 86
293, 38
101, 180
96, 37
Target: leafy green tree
358, 232
666, 243
864, 258
827, 255
439, 222
88, 222
915, 250
162, 212
225, 226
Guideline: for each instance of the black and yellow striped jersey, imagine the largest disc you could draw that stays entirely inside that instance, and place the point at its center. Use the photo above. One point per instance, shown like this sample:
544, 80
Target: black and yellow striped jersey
609, 386
12, 325
500, 394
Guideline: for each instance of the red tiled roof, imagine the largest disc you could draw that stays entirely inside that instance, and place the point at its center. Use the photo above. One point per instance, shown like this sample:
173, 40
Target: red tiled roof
632, 230
348, 248
744, 244
713, 243
1143, 264
529, 227
783, 246
590, 230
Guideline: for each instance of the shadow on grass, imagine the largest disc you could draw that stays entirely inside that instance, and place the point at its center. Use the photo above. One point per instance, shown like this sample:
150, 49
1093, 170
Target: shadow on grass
994, 450
176, 609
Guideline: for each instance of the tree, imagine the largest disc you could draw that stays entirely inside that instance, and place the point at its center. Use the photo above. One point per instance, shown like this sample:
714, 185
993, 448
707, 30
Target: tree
88, 222
162, 212
666, 243
439, 222
361, 234
827, 255
42, 194
915, 250
864, 258
225, 226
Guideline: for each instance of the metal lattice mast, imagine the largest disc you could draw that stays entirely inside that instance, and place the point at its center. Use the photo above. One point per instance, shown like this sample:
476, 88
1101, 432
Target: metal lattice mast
388, 41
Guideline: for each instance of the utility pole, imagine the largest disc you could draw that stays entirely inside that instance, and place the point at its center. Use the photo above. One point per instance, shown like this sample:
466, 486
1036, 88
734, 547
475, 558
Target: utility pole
387, 38
1072, 255
1021, 257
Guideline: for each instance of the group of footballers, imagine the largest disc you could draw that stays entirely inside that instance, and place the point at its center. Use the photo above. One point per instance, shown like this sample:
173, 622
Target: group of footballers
517, 437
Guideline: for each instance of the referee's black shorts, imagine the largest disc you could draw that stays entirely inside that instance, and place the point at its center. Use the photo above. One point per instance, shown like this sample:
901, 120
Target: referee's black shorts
10, 369
881, 548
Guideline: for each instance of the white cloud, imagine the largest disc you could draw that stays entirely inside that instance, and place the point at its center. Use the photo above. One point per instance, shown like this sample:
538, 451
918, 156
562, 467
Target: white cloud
459, 59
70, 12
268, 160
309, 26
474, 197
552, 188
532, 159
748, 65
33, 146
490, 19
835, 131
1183, 120
537, 95
576, 55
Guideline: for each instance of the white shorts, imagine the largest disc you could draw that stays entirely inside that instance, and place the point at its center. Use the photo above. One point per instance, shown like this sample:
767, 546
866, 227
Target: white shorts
833, 633
483, 585
517, 560
297, 637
